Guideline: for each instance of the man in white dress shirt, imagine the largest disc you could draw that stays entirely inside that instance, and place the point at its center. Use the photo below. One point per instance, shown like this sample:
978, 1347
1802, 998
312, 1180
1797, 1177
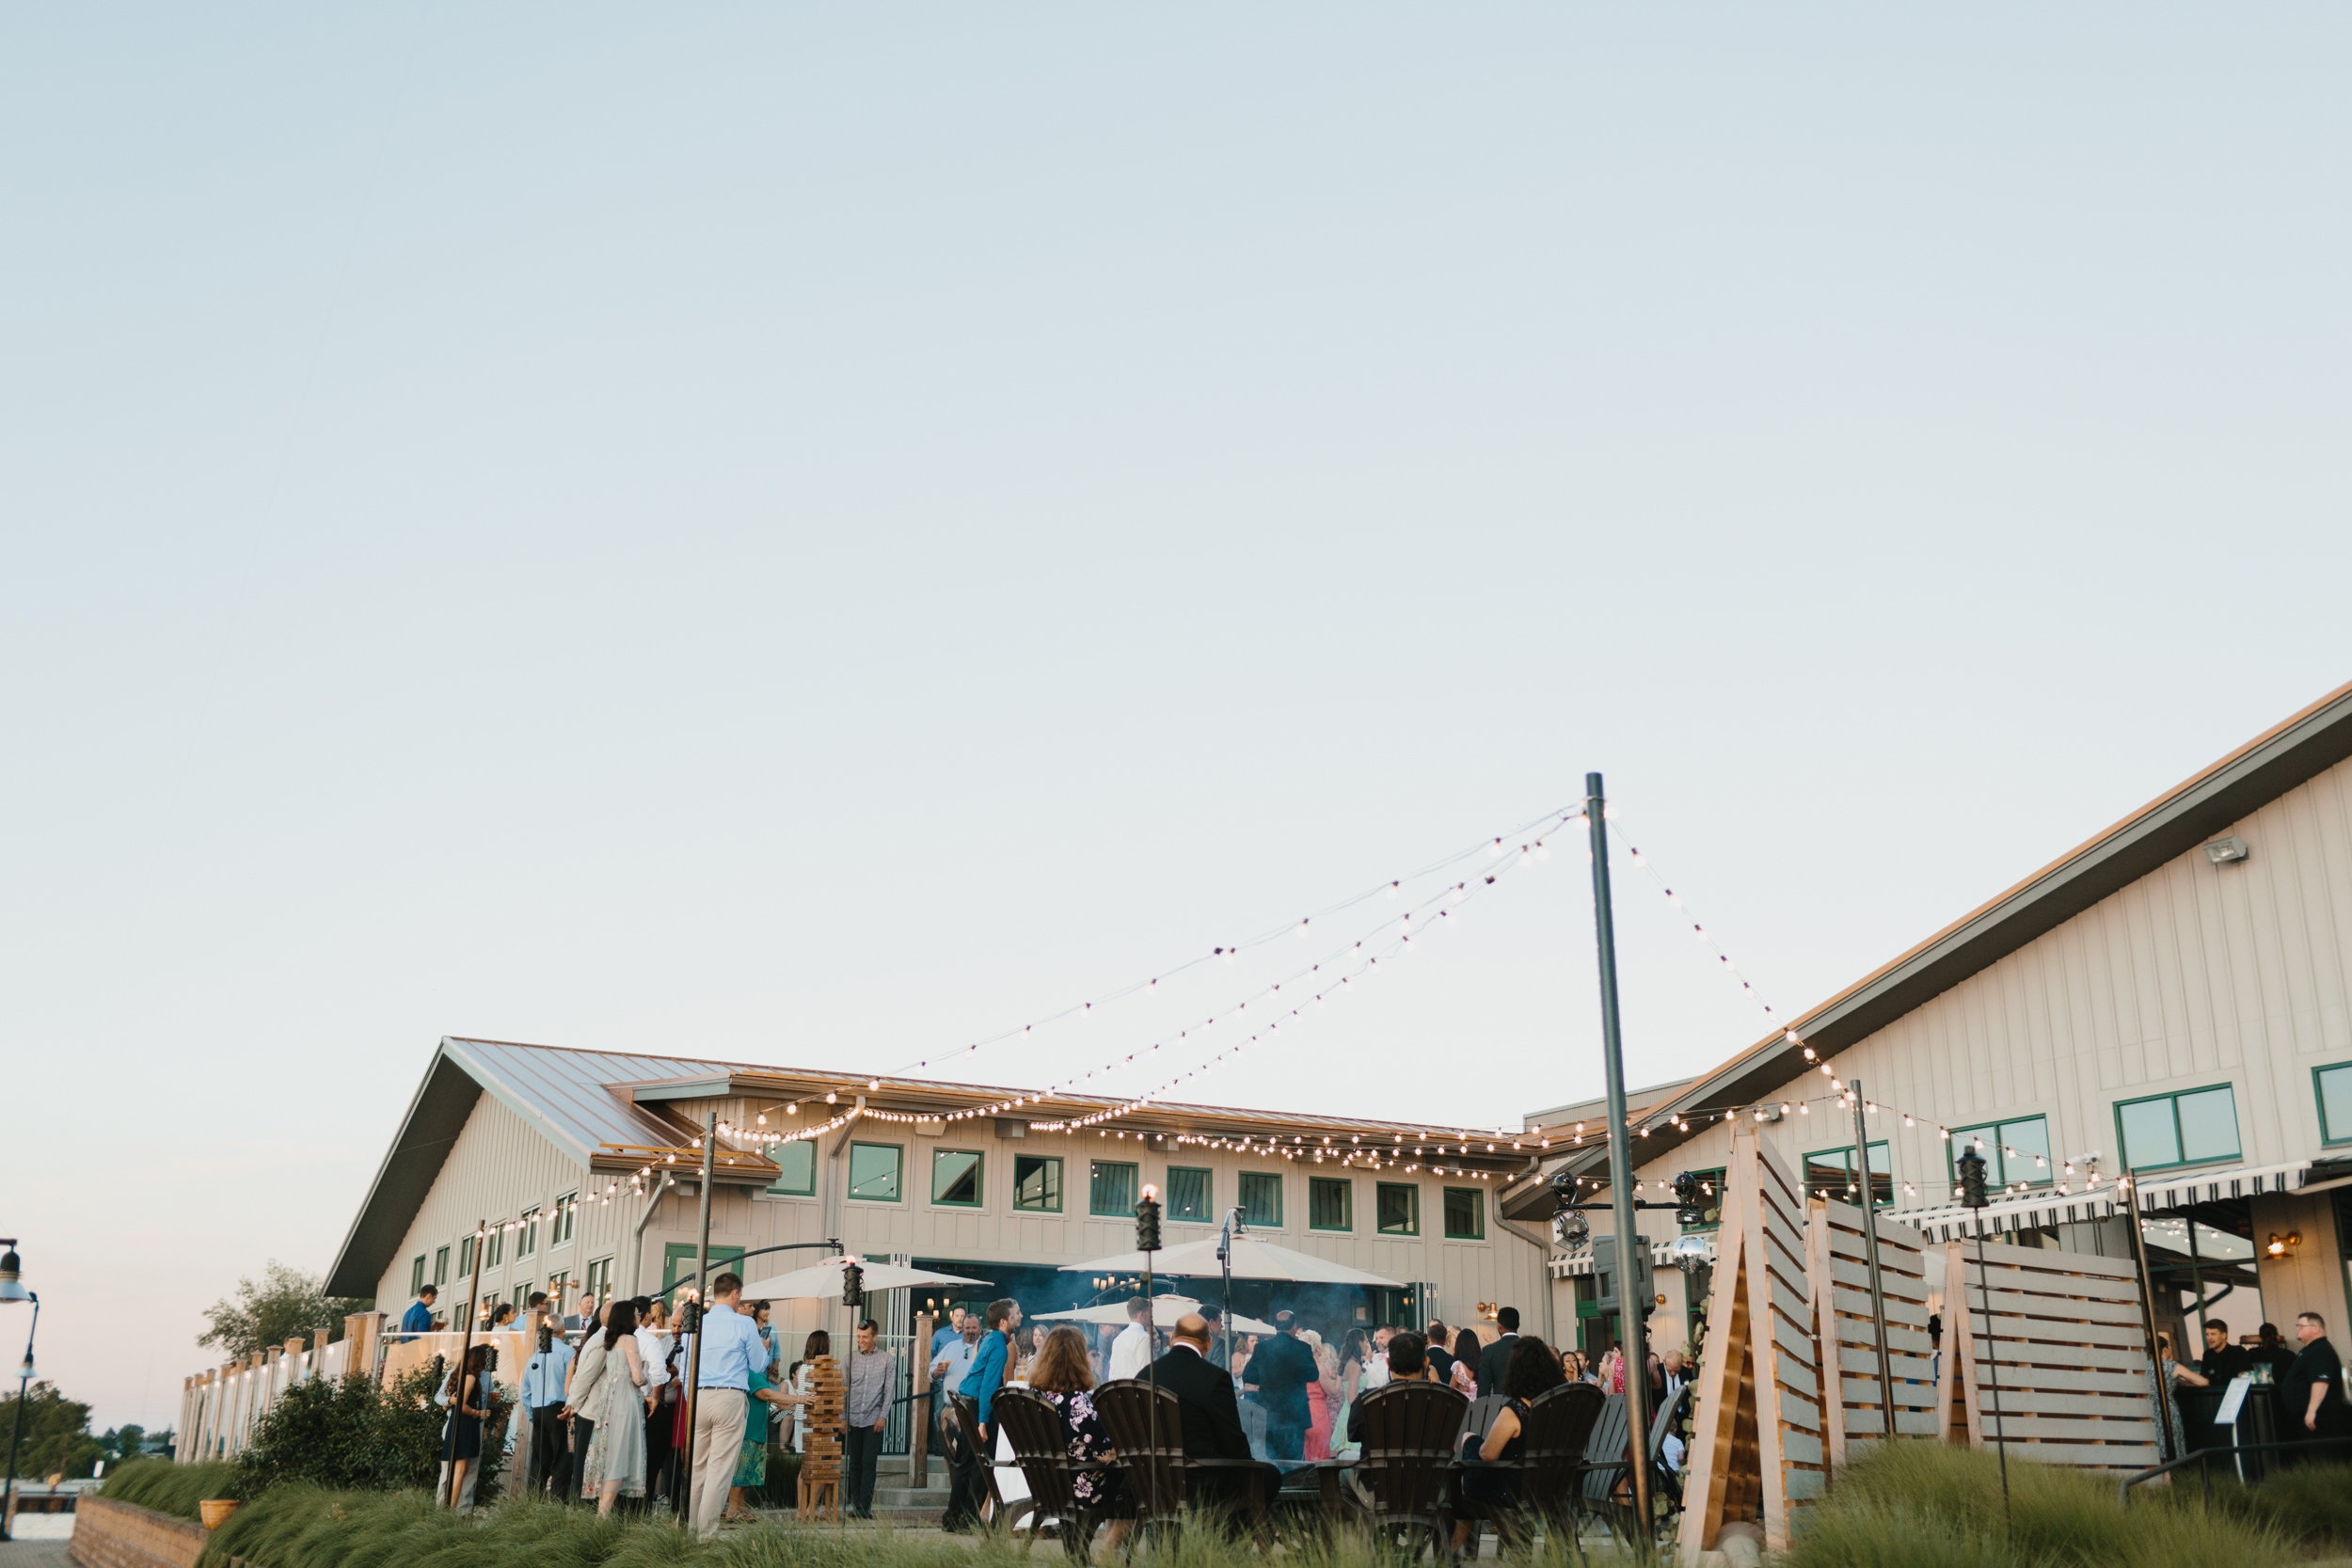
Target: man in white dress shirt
1132, 1351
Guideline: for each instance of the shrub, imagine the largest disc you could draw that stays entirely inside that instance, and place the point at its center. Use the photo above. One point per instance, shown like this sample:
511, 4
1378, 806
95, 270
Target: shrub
170, 1488
354, 1434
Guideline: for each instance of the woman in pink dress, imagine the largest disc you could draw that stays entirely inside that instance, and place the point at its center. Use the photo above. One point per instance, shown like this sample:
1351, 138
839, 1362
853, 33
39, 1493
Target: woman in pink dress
1323, 1397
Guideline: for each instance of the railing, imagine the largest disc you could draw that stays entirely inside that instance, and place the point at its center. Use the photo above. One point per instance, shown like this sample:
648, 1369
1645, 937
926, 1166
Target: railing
2205, 1457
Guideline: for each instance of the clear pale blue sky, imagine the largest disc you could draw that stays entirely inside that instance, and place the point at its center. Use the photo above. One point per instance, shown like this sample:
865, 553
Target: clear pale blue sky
810, 535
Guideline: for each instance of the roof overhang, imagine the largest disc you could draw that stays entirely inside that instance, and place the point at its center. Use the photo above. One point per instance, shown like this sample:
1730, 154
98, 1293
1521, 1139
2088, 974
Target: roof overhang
2176, 822
436, 1113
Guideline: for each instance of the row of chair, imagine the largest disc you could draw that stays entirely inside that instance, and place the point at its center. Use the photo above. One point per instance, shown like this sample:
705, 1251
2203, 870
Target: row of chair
1575, 1463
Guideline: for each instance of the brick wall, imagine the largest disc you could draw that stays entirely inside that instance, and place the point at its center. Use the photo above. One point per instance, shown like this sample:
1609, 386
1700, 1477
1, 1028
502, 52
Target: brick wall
119, 1535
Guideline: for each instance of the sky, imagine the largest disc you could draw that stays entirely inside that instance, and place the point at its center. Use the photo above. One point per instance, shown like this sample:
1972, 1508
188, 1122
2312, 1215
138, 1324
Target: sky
816, 535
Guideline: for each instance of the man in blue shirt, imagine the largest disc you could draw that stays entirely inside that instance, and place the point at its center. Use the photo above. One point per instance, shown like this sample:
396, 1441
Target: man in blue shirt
730, 1349
544, 1376
419, 1318
968, 1489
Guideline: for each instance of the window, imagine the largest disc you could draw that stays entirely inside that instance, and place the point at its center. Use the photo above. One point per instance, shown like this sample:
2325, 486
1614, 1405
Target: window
1262, 1197
566, 1218
2178, 1128
416, 1276
956, 1178
1712, 1196
600, 1279
464, 1257
1191, 1194
1464, 1214
1111, 1189
874, 1172
1397, 1205
496, 1256
1830, 1172
2011, 1149
1037, 1183
1330, 1203
526, 1238
441, 1266
796, 1168
2333, 1086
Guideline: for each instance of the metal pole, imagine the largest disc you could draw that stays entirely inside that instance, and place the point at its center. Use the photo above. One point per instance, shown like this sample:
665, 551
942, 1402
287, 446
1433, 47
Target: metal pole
1870, 1245
1152, 1376
465, 1349
1992, 1377
1620, 1164
8, 1494
702, 1306
2174, 1438
1225, 1262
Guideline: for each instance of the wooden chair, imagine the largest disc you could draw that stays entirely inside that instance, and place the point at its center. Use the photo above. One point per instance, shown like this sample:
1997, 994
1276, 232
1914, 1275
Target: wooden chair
1041, 1448
1408, 1435
1557, 1430
1605, 1488
1161, 1480
966, 1411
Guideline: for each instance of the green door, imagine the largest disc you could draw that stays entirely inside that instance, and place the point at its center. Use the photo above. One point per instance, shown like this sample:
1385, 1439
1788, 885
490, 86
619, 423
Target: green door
678, 1258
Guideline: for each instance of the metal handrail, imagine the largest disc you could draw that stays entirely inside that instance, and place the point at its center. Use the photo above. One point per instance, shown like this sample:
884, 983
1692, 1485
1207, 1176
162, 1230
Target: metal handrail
2203, 1458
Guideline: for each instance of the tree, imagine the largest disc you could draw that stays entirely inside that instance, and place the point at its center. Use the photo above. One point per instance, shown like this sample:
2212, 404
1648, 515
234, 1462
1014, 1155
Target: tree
56, 1434
129, 1443
283, 1305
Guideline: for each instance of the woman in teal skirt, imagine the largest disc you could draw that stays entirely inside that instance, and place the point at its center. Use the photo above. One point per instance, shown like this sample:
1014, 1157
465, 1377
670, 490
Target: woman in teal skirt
751, 1466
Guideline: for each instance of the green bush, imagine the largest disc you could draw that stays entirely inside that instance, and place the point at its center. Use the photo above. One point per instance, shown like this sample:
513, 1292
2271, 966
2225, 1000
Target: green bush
352, 1433
170, 1488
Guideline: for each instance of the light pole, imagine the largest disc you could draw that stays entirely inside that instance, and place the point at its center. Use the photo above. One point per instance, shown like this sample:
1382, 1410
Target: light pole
12, 1290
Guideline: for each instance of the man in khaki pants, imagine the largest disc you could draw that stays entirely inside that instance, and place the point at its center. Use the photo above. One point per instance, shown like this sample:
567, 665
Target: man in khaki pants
731, 1348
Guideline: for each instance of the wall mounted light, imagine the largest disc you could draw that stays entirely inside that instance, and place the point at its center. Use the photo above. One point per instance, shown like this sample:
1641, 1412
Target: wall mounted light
2221, 852
2280, 1246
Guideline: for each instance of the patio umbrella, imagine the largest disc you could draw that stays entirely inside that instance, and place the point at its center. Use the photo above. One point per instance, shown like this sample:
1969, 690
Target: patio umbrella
822, 1281
1165, 1311
1252, 1259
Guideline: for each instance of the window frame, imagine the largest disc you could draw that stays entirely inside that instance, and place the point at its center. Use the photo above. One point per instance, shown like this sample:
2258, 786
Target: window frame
1135, 1189
1844, 1152
416, 1280
599, 1280
777, 1188
494, 1248
1997, 1176
1478, 1211
1059, 1184
464, 1256
1348, 1204
2175, 1097
527, 1234
897, 1180
1412, 1189
1241, 1197
2319, 1100
563, 1223
979, 1174
1208, 1178
441, 1268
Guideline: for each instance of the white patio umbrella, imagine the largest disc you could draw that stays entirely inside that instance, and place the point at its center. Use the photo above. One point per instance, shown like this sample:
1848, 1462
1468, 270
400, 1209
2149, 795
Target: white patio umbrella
1252, 1259
822, 1281
1165, 1311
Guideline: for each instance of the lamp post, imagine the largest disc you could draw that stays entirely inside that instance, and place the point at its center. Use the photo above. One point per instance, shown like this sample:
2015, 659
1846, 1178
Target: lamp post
12, 1290
1972, 1195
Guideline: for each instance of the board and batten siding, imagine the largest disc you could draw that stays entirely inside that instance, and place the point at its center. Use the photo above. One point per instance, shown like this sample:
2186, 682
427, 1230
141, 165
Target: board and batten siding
2195, 975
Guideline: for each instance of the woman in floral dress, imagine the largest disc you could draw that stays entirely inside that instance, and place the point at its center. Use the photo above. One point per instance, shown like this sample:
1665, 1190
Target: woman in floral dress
1064, 1375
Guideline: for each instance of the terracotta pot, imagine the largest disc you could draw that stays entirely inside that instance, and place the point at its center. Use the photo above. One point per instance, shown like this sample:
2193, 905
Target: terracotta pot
216, 1510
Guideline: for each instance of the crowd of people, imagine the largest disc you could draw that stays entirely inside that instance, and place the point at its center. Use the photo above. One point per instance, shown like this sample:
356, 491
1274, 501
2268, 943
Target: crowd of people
2307, 1383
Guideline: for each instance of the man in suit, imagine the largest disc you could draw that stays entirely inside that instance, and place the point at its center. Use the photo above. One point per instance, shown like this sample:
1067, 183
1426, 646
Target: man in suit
1498, 1355
1211, 1416
1279, 1372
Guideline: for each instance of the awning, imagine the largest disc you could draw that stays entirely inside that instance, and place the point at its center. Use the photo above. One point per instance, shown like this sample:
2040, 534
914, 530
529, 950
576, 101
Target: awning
1949, 1221
1660, 1257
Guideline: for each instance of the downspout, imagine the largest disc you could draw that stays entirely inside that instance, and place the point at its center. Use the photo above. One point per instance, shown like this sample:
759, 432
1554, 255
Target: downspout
1543, 1255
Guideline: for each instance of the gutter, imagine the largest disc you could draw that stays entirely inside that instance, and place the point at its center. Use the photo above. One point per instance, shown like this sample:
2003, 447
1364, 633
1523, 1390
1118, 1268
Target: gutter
1543, 1258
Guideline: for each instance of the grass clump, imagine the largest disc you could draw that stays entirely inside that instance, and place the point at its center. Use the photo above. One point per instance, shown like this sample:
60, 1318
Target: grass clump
170, 1488
1939, 1507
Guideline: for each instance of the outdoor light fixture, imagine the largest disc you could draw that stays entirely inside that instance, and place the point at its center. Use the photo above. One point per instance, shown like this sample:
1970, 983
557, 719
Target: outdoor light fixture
2280, 1246
852, 1283
2221, 852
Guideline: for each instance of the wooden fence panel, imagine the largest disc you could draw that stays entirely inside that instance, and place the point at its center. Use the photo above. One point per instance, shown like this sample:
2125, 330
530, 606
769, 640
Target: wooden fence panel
1853, 1406
2065, 1342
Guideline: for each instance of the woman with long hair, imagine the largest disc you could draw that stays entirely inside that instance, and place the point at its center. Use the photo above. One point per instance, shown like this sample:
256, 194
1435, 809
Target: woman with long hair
1468, 1347
1063, 1372
803, 1381
1355, 1354
609, 1388
1613, 1371
468, 1394
1532, 1370
1322, 1394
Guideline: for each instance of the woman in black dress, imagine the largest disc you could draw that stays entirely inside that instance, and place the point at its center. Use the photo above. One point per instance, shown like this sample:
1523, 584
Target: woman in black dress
470, 1402
1532, 1370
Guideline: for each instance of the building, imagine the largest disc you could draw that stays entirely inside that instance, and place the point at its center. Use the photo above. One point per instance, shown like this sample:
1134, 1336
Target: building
2170, 1000
585, 1165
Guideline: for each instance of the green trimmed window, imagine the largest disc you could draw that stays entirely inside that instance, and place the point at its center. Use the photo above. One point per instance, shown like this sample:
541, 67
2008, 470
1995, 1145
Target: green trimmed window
1037, 1183
1464, 1214
2333, 1087
1191, 1195
600, 1279
1396, 1205
796, 1168
1330, 1203
874, 1171
1262, 1197
416, 1276
956, 1178
494, 1253
1111, 1189
464, 1257
566, 1218
1830, 1173
2190, 1128
526, 1238
440, 1265
2016, 1153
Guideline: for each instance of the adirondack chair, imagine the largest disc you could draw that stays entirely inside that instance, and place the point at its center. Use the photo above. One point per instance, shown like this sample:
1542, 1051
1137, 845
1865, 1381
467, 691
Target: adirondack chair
1041, 1449
1604, 1490
1559, 1426
1161, 1480
1408, 1435
967, 1411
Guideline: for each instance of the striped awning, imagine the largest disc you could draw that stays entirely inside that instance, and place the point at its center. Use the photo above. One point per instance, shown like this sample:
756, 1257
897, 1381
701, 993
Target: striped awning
2049, 1206
1579, 1264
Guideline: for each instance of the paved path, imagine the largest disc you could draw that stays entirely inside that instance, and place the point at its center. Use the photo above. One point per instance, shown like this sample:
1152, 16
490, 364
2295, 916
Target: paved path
33, 1554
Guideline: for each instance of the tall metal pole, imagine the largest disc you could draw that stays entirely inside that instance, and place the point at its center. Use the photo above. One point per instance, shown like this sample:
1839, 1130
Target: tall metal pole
1633, 1321
1870, 1247
2174, 1437
702, 1304
1992, 1379
8, 1493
